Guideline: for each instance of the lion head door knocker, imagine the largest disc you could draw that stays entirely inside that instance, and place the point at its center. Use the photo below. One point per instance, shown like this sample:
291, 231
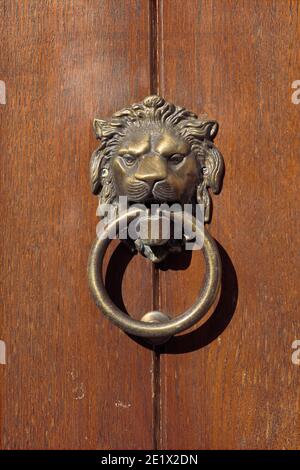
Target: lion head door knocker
154, 161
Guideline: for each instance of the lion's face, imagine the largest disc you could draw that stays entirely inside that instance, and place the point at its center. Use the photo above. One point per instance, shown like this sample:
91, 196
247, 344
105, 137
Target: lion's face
154, 165
156, 151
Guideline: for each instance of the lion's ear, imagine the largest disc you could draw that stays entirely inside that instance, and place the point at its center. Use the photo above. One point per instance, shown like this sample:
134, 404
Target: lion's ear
213, 172
98, 125
212, 129
200, 128
95, 172
214, 169
209, 129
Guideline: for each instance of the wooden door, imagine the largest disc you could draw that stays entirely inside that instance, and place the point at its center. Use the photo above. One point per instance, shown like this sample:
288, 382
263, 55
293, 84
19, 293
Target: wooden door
71, 379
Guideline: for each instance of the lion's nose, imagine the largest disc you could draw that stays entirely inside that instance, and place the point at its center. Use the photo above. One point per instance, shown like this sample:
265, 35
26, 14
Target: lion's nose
152, 168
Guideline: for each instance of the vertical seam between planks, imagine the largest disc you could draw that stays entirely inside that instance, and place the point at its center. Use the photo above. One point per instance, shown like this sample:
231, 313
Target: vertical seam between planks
154, 89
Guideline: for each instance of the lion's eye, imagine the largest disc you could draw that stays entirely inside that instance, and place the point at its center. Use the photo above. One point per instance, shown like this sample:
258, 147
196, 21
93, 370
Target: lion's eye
128, 159
177, 158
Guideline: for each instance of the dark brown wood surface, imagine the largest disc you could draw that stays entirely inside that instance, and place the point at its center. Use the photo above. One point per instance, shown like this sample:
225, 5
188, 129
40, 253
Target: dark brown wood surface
72, 380
231, 384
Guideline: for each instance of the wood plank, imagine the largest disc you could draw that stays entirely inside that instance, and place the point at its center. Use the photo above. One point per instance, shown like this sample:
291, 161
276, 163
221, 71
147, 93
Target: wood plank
72, 380
231, 384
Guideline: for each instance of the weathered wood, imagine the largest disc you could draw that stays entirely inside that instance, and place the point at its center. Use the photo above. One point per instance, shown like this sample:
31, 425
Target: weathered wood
231, 384
72, 380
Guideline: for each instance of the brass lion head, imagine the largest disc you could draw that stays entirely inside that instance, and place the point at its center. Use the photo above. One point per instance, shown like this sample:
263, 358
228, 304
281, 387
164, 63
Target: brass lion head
154, 151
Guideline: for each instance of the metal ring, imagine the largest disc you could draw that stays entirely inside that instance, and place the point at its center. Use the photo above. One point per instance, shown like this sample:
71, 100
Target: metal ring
154, 331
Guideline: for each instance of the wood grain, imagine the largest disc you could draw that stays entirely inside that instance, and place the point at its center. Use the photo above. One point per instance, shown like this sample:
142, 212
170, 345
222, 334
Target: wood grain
231, 383
72, 380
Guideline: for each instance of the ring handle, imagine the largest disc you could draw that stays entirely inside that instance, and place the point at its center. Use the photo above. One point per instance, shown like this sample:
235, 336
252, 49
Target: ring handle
156, 327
